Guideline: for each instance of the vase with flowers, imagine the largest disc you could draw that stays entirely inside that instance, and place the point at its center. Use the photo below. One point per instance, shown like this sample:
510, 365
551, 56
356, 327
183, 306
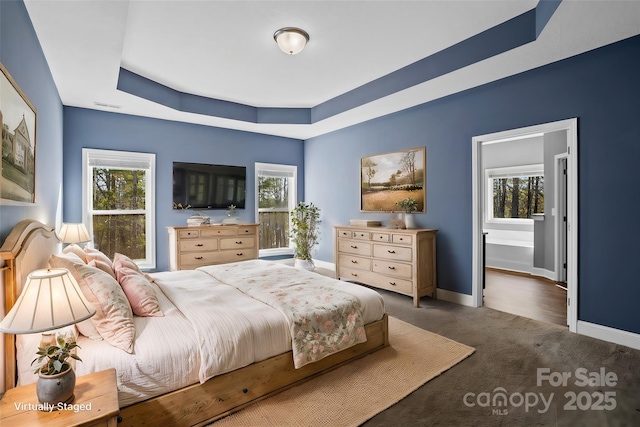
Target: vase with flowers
408, 206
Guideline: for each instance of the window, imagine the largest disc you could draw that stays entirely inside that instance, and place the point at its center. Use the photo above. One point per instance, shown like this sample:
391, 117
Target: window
515, 193
118, 203
276, 197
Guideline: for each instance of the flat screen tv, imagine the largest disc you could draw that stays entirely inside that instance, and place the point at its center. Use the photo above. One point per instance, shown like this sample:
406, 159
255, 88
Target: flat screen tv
205, 186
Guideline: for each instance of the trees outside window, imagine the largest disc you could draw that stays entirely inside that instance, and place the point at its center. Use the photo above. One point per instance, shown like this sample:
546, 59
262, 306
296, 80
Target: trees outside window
515, 192
119, 203
276, 197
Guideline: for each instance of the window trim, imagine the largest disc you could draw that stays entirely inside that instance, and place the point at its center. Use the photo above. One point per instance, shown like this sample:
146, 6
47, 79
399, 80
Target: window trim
506, 172
123, 160
293, 191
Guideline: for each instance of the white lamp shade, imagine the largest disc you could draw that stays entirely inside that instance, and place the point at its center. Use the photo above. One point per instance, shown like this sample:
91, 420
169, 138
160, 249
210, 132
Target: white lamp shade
73, 233
291, 40
51, 299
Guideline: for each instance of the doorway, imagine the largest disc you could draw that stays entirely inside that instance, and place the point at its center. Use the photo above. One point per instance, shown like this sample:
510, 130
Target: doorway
569, 129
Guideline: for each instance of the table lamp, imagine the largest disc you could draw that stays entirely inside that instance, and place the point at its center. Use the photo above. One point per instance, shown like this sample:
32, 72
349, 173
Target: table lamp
51, 299
73, 233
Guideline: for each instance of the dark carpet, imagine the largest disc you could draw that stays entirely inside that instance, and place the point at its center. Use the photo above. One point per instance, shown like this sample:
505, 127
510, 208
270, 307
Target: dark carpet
524, 373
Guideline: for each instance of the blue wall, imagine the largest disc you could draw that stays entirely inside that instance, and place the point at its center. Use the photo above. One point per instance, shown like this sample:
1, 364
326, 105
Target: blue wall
601, 88
170, 141
21, 55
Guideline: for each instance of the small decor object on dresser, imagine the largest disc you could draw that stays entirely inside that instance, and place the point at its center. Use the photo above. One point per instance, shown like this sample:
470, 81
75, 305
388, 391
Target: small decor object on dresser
232, 215
408, 205
364, 223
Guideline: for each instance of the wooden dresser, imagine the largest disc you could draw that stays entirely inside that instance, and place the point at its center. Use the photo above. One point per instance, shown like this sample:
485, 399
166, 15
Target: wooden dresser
191, 247
402, 261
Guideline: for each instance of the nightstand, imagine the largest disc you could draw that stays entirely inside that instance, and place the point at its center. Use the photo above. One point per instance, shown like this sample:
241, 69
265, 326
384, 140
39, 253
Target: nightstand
95, 404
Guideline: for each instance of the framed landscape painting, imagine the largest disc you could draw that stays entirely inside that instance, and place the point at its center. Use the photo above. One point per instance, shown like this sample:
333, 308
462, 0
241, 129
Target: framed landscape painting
18, 118
386, 179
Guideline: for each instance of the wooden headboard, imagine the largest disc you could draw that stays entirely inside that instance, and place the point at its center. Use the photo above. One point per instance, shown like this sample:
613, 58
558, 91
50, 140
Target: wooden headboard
27, 248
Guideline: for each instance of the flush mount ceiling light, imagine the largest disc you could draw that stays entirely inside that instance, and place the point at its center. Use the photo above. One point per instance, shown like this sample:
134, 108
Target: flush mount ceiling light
291, 40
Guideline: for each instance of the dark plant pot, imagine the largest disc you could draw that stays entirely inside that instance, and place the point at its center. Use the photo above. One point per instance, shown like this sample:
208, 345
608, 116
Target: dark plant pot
58, 388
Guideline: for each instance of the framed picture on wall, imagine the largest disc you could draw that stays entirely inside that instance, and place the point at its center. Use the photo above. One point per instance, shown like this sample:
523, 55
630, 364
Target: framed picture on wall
18, 118
386, 179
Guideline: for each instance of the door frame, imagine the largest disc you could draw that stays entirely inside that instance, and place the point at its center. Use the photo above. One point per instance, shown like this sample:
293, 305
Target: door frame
560, 245
571, 126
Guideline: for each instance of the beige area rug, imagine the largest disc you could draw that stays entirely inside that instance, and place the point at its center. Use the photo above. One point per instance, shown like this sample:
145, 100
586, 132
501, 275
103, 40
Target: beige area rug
357, 391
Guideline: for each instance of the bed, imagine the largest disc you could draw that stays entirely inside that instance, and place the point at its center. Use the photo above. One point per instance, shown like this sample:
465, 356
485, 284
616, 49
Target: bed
177, 374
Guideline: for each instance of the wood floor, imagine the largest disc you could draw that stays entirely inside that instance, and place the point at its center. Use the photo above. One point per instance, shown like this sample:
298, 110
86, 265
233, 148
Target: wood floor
526, 296
519, 294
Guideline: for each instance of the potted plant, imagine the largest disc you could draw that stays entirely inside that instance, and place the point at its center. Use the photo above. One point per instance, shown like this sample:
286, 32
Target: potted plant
305, 222
56, 377
408, 206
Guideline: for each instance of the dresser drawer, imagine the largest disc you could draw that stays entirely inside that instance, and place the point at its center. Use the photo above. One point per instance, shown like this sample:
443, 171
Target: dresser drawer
344, 233
354, 247
190, 245
403, 239
397, 253
239, 242
381, 237
196, 259
361, 235
219, 231
237, 255
393, 268
351, 261
392, 284
377, 280
246, 231
188, 234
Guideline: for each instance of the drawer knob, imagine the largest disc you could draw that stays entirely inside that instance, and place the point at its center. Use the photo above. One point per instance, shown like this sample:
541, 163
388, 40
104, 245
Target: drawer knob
391, 267
239, 254
392, 283
391, 252
353, 261
199, 244
197, 257
354, 247
354, 274
239, 243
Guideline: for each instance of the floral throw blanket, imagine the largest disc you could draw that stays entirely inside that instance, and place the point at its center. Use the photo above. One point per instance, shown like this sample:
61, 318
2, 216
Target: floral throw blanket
322, 318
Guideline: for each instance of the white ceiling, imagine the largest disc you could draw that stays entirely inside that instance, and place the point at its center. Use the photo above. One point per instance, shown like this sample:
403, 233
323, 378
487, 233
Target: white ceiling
225, 50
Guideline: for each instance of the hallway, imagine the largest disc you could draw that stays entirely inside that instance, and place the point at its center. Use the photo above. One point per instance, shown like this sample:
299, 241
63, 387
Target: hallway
524, 295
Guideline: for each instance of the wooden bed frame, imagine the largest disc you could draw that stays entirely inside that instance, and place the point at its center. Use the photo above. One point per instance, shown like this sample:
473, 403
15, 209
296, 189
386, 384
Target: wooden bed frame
29, 246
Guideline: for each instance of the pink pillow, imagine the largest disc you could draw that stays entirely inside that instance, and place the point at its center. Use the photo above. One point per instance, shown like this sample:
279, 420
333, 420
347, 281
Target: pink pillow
102, 266
139, 292
113, 318
92, 254
120, 260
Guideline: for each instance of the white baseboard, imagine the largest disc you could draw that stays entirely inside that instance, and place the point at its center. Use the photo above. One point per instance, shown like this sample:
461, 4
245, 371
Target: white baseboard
324, 264
501, 264
455, 297
543, 272
605, 333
